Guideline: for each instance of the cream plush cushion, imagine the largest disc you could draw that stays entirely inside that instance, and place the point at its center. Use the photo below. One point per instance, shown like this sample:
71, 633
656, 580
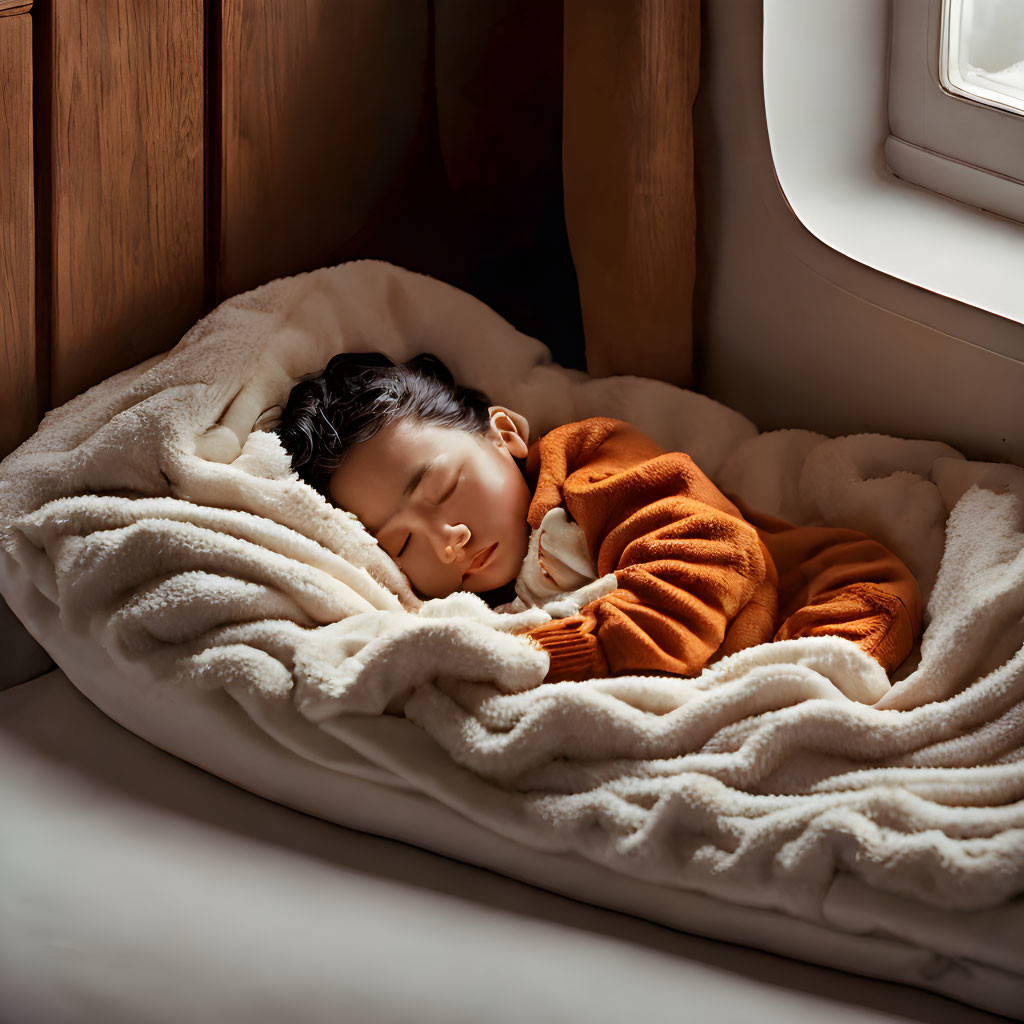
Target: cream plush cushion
162, 551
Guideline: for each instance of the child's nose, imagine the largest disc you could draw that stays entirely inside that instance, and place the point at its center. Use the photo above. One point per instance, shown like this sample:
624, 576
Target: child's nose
452, 540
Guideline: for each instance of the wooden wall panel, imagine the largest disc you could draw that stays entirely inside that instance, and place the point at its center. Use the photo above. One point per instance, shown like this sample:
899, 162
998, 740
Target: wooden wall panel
127, 184
19, 411
321, 106
631, 75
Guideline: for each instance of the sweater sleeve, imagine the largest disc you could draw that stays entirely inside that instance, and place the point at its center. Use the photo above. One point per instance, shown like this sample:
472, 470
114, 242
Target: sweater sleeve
685, 568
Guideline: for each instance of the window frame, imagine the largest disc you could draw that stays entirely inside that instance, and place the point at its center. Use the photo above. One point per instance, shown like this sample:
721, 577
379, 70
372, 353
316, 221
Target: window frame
941, 140
827, 123
950, 37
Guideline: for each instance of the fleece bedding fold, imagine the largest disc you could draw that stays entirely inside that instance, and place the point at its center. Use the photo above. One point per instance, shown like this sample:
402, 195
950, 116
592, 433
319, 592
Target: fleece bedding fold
163, 520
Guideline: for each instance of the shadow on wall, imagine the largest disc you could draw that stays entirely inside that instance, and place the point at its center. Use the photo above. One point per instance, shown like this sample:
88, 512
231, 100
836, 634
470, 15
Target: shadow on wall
465, 186
23, 658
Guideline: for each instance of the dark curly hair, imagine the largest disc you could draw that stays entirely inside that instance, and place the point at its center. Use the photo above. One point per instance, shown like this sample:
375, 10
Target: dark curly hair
359, 393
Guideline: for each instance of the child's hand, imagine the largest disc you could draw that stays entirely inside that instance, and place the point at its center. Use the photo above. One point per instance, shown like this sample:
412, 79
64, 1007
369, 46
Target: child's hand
561, 575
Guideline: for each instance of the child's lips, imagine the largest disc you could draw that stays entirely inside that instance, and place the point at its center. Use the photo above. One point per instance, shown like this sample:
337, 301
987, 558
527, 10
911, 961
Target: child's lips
482, 559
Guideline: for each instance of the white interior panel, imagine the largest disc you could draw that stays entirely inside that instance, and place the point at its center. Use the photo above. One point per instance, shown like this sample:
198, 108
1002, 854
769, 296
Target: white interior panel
795, 333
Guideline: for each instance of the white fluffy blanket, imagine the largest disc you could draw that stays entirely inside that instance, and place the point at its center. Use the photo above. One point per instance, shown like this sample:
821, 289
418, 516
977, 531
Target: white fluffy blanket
167, 529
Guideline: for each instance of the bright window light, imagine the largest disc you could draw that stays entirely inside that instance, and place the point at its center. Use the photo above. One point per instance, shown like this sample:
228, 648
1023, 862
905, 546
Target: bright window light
983, 52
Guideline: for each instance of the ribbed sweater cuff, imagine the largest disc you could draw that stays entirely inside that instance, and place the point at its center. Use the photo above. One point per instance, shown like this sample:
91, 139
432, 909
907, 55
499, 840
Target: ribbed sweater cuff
574, 649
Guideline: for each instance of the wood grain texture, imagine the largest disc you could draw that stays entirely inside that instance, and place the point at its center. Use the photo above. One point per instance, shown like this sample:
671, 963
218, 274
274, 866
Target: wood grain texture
321, 104
18, 403
10, 7
127, 183
630, 79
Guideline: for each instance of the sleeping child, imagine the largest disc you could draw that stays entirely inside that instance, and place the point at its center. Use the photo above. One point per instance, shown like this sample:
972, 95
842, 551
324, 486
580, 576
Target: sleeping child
451, 489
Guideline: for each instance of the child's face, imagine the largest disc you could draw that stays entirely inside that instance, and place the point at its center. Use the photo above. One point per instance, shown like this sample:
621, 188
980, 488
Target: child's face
447, 505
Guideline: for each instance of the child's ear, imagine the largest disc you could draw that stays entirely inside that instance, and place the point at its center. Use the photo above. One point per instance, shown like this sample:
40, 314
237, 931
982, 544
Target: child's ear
511, 428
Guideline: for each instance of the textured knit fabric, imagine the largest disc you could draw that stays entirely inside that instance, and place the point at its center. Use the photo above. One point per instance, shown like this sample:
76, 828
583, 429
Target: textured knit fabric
698, 579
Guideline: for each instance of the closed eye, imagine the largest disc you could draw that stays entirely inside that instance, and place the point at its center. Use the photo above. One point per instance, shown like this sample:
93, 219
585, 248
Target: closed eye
440, 501
451, 490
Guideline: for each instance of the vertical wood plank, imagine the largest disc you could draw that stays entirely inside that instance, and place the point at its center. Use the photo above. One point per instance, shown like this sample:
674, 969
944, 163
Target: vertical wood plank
127, 182
18, 403
321, 103
631, 75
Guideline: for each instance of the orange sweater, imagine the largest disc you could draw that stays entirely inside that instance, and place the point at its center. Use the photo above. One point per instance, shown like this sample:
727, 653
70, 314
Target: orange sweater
696, 580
